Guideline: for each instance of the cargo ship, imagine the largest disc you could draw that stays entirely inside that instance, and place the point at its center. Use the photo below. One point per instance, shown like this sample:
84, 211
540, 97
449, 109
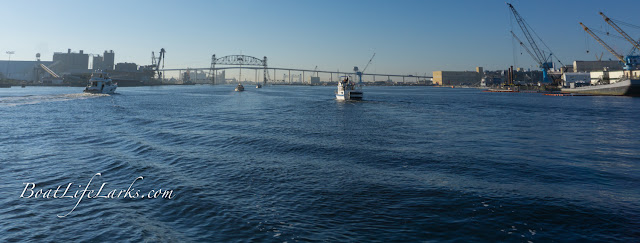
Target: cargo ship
624, 87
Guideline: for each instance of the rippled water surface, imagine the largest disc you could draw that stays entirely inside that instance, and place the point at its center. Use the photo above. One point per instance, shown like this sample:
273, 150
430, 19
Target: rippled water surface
287, 163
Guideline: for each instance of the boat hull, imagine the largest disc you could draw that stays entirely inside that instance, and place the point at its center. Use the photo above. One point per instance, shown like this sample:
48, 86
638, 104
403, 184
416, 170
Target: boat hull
106, 90
349, 95
628, 87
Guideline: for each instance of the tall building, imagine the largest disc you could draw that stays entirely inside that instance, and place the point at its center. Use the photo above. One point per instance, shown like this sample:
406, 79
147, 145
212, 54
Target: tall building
97, 63
104, 62
108, 60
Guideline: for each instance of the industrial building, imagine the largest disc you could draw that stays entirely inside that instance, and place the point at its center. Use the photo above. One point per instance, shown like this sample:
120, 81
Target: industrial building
70, 62
576, 78
104, 62
590, 66
63, 64
97, 63
20, 70
314, 80
458, 77
126, 67
196, 77
108, 60
606, 76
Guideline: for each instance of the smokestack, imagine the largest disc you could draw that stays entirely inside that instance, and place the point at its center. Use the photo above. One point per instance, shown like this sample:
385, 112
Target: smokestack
510, 78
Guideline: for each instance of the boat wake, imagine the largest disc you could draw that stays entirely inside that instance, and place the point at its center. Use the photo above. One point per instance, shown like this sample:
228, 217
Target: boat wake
35, 99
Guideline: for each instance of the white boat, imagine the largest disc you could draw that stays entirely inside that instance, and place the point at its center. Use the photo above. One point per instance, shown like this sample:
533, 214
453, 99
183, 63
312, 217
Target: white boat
258, 86
100, 83
348, 90
239, 88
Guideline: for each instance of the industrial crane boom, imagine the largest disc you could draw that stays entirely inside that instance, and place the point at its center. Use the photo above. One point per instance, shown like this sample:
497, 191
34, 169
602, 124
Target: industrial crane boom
160, 59
620, 57
543, 60
540, 57
624, 34
365, 67
156, 64
525, 47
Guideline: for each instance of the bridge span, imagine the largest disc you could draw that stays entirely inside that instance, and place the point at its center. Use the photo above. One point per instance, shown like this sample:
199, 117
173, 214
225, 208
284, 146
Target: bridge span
253, 63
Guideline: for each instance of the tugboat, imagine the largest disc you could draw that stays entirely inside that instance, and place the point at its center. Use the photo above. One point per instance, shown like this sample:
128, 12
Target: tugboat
100, 83
239, 88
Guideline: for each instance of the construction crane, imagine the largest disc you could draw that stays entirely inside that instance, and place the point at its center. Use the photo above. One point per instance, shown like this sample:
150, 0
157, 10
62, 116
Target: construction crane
359, 73
523, 45
617, 28
155, 62
630, 62
371, 59
544, 61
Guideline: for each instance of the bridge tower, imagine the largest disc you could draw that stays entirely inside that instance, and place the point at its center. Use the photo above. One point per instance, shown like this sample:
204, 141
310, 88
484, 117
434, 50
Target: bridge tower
264, 74
212, 70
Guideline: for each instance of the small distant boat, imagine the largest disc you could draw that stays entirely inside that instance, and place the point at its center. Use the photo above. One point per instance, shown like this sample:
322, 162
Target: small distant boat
100, 83
258, 86
239, 88
348, 90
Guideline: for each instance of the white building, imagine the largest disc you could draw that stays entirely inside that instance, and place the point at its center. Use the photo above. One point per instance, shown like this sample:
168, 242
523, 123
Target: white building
575, 78
607, 76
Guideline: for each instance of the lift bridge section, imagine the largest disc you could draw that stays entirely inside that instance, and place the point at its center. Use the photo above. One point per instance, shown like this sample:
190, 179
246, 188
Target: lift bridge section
237, 60
249, 62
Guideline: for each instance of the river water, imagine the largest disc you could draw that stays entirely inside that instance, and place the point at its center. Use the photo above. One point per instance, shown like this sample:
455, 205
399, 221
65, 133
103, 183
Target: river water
290, 163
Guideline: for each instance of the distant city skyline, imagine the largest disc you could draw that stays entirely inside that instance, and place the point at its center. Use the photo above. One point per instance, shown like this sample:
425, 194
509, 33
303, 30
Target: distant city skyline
408, 37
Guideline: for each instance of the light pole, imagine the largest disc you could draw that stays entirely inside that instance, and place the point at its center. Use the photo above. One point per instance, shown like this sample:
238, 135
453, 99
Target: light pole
10, 53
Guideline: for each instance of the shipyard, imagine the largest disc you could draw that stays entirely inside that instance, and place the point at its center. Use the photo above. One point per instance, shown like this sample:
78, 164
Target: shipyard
592, 77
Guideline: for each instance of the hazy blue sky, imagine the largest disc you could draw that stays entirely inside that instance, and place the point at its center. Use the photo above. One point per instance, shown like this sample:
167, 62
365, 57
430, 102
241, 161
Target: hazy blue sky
408, 36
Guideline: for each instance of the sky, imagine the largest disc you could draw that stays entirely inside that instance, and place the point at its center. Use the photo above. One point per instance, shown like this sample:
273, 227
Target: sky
408, 37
